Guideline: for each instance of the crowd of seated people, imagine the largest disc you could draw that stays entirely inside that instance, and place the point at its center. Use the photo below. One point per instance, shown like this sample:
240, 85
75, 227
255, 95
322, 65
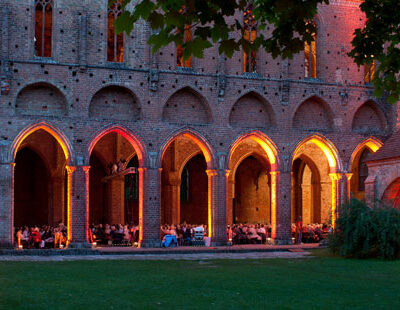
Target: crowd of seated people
310, 233
44, 237
185, 234
116, 234
248, 233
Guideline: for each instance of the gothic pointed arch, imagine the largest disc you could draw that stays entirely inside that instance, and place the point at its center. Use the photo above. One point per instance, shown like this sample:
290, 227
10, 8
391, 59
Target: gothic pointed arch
115, 102
253, 111
369, 119
187, 106
313, 114
41, 99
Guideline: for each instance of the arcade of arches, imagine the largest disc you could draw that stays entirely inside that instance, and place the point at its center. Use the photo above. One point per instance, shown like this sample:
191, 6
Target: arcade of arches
190, 186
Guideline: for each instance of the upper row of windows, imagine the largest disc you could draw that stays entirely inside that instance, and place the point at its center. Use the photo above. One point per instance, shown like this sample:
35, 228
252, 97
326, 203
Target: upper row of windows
115, 42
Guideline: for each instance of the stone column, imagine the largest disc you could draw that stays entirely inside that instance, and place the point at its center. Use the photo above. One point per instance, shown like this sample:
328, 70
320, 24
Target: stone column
149, 207
335, 178
281, 183
6, 201
78, 206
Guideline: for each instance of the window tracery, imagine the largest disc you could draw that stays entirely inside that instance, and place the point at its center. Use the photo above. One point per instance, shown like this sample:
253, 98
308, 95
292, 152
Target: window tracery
115, 42
250, 34
43, 27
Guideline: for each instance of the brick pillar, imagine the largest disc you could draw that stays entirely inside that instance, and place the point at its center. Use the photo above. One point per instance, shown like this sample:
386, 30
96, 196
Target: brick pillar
149, 207
281, 183
173, 198
344, 188
116, 200
78, 206
217, 205
6, 204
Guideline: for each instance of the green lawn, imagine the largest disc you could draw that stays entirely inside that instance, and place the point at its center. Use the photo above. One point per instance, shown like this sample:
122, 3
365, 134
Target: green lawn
321, 282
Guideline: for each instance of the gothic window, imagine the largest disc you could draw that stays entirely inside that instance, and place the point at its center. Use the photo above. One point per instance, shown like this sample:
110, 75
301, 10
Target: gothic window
43, 27
115, 42
185, 184
369, 72
250, 34
180, 62
362, 170
310, 58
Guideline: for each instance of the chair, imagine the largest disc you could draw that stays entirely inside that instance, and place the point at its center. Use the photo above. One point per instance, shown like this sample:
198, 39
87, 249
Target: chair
198, 237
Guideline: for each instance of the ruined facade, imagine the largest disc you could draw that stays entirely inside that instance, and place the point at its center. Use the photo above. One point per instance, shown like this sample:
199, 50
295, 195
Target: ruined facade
215, 140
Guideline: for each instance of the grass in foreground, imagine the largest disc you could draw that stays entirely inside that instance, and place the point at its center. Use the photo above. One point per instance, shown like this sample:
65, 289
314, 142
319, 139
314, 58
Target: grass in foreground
321, 282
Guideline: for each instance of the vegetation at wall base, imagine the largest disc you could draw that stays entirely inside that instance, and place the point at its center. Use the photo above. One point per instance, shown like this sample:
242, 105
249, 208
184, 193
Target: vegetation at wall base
364, 232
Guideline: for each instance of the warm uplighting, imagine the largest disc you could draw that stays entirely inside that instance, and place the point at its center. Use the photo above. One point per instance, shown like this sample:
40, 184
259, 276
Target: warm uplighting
41, 126
327, 151
94, 244
273, 201
201, 145
70, 171
20, 247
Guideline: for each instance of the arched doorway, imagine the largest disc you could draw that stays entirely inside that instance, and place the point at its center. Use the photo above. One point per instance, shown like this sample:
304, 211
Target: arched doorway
184, 181
358, 166
41, 185
31, 203
252, 181
315, 196
252, 200
193, 191
307, 191
108, 179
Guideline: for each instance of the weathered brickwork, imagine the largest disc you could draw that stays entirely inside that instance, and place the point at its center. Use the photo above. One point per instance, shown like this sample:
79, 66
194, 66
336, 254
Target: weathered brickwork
274, 115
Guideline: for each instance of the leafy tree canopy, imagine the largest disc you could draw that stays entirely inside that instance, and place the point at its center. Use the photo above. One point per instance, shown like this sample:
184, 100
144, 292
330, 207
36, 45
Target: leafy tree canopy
214, 22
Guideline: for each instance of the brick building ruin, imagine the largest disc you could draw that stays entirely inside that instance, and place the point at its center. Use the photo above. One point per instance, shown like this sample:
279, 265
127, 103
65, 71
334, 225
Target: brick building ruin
213, 141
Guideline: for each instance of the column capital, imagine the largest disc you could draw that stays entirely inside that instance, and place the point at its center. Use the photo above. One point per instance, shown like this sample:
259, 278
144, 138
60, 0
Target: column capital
85, 168
335, 176
349, 176
70, 169
211, 172
275, 173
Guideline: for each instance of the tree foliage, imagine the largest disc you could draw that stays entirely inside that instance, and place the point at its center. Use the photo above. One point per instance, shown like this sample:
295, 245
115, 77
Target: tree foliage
215, 23
379, 40
364, 232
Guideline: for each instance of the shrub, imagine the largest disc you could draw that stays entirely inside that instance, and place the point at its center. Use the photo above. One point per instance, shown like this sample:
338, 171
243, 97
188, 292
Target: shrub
364, 232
